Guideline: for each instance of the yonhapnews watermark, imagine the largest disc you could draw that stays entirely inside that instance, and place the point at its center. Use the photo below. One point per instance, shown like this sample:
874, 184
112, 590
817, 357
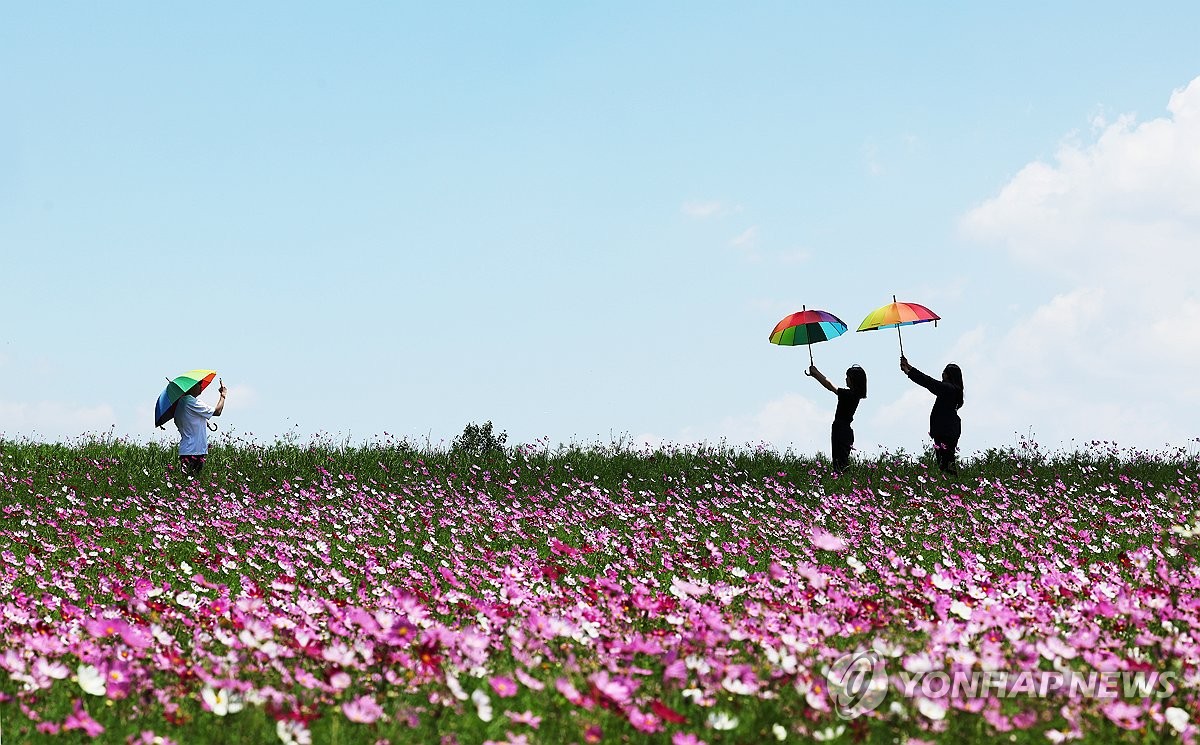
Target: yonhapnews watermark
859, 682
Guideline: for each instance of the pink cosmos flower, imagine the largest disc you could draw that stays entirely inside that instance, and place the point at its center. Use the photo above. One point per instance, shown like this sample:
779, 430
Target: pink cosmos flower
572, 694
81, 720
116, 680
103, 627
526, 717
1124, 715
510, 739
364, 710
825, 540
644, 722
504, 687
620, 690
148, 737
528, 680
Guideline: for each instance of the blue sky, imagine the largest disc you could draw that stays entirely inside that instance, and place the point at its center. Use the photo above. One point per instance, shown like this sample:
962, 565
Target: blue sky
581, 221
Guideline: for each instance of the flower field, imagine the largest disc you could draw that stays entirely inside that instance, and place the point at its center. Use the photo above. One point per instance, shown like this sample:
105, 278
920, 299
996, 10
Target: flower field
386, 594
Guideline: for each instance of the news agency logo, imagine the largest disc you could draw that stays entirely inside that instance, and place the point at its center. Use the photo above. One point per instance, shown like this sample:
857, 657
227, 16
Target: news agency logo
858, 683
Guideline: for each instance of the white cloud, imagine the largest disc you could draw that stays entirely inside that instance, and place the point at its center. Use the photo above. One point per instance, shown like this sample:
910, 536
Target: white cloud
1114, 353
790, 421
1110, 352
1123, 209
54, 419
240, 396
794, 256
870, 152
747, 240
912, 406
704, 210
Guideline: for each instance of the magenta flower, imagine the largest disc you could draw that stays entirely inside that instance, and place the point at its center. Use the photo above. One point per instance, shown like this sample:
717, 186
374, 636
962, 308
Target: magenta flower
528, 680
570, 693
525, 717
364, 710
504, 687
104, 627
826, 541
1124, 715
643, 721
619, 690
79, 719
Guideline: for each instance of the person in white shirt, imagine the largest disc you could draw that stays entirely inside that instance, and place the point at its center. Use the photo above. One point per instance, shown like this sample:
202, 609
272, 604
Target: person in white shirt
191, 418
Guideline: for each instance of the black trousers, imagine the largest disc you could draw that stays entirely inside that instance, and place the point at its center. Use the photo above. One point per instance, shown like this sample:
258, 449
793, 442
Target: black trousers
842, 439
945, 448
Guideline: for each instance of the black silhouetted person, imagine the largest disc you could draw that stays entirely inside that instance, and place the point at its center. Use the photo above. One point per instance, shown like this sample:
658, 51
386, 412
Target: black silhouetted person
944, 425
842, 436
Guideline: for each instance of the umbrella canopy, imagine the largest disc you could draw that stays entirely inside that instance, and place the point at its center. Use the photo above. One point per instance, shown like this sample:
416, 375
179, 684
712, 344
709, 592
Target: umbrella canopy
896, 314
165, 408
807, 327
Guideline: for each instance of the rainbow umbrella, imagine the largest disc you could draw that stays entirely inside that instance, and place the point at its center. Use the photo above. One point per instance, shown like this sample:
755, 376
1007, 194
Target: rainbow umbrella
165, 408
896, 314
807, 327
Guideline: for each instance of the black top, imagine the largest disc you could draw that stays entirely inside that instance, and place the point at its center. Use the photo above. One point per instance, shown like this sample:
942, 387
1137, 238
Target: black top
847, 405
943, 419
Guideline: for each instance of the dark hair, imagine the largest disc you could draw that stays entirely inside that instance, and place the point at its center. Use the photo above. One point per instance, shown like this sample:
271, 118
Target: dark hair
953, 375
195, 390
856, 378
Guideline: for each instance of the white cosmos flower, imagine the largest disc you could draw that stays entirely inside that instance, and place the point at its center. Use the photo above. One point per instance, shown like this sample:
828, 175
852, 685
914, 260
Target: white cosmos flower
829, 733
91, 681
1177, 718
293, 733
931, 709
721, 721
455, 687
483, 705
738, 686
961, 609
779, 732
54, 670
221, 701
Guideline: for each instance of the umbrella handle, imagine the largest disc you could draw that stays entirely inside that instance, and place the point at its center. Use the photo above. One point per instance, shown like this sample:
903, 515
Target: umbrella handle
898, 336
810, 360
212, 426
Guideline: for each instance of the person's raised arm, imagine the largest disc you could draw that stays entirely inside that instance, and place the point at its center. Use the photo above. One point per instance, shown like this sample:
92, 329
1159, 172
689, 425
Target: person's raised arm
220, 403
934, 386
815, 373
